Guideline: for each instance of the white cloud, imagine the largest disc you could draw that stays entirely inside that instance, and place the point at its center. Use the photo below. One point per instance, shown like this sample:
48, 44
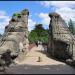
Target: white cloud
58, 4
31, 24
2, 12
44, 18
67, 13
46, 3
4, 20
64, 8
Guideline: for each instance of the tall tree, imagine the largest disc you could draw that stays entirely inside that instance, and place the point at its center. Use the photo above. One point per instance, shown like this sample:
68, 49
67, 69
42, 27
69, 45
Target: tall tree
33, 36
39, 34
71, 26
39, 29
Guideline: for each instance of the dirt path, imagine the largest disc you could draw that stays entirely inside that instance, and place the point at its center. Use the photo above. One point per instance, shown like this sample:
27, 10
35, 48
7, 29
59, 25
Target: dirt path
46, 65
37, 53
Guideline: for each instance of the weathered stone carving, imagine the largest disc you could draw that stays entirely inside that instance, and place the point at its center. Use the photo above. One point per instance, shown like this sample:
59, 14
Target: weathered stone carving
15, 37
61, 42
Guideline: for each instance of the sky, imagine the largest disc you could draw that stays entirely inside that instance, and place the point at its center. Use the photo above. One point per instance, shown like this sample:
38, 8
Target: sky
38, 11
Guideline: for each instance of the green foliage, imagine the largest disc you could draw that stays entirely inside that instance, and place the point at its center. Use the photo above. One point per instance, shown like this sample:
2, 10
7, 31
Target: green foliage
33, 37
38, 34
39, 29
71, 26
16, 14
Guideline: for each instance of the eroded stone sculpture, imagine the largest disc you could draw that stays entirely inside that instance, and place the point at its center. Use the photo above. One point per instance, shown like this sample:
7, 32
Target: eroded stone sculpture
61, 41
15, 37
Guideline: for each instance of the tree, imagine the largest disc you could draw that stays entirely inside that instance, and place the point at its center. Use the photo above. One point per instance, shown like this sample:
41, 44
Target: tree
71, 27
32, 37
39, 29
39, 34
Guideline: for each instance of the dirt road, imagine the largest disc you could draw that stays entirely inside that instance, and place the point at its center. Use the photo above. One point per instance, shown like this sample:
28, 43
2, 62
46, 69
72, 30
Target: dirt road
37, 62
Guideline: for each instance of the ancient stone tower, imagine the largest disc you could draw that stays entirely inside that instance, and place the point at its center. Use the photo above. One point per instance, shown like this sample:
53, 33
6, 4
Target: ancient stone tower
15, 37
61, 42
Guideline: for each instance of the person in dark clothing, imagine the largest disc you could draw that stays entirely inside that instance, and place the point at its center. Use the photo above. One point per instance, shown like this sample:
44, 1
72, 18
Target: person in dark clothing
36, 44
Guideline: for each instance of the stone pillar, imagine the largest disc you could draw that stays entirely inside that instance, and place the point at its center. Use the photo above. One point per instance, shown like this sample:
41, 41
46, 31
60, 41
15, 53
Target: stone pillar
61, 40
25, 14
52, 31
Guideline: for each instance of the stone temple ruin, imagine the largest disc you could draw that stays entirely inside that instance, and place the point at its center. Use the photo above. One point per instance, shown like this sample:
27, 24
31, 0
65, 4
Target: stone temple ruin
15, 37
61, 41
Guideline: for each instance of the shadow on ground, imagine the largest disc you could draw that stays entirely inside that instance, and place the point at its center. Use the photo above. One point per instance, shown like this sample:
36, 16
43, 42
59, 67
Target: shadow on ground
49, 56
47, 69
57, 59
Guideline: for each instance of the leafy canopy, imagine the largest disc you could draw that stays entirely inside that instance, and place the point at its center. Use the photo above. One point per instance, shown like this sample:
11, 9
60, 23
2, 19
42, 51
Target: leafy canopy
38, 34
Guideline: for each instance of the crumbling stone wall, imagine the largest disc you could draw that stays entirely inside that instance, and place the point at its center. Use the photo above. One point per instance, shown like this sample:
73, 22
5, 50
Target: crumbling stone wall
61, 42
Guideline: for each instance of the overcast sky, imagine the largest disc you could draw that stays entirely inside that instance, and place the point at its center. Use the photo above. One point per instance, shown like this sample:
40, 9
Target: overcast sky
38, 10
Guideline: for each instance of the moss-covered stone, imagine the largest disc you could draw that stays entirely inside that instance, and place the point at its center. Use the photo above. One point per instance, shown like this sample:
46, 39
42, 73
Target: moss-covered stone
17, 14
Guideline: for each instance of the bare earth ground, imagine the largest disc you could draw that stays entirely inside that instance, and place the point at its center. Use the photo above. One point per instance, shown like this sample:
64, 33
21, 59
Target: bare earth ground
46, 65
